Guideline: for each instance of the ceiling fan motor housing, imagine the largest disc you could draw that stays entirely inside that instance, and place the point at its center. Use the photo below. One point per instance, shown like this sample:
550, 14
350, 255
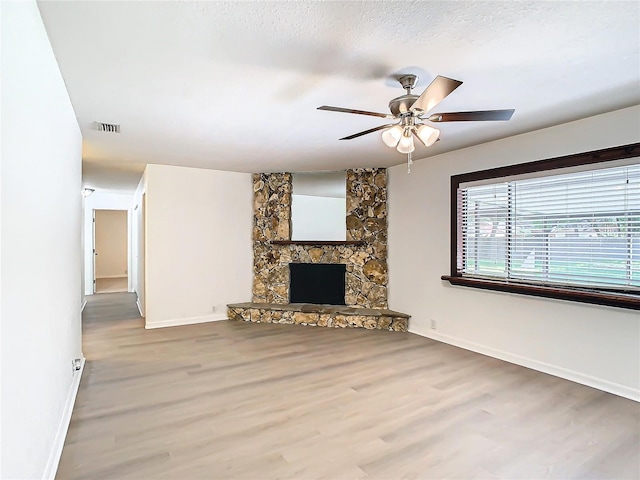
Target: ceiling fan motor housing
402, 104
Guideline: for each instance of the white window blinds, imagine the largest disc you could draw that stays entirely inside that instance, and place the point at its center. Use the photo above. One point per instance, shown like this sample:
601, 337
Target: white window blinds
577, 229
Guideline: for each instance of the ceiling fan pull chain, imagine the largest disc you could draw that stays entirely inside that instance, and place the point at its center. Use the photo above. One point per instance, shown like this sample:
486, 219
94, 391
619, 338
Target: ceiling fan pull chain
409, 162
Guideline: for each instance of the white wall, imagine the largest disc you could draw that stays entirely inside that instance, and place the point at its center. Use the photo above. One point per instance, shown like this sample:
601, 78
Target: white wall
41, 247
104, 201
111, 243
318, 218
598, 346
198, 243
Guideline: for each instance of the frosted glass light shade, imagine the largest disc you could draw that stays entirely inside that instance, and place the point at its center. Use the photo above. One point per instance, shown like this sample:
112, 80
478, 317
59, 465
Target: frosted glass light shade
406, 144
427, 134
391, 136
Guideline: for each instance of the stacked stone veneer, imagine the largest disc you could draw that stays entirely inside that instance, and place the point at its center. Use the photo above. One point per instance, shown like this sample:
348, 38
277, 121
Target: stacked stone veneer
320, 316
366, 220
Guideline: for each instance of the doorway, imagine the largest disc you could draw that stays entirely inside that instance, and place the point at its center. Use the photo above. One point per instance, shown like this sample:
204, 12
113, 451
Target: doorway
110, 251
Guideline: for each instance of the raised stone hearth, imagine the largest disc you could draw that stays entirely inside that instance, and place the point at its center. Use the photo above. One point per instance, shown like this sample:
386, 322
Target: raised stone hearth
336, 316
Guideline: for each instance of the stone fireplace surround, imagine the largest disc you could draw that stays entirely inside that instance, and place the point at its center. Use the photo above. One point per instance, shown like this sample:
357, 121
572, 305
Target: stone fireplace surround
364, 254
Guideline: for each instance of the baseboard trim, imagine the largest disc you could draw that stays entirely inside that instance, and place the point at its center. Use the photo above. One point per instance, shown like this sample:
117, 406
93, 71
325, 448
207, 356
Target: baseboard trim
175, 322
565, 373
58, 443
112, 276
84, 304
139, 306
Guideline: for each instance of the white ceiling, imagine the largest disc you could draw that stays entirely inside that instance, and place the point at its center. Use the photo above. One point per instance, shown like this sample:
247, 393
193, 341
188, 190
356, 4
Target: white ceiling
235, 85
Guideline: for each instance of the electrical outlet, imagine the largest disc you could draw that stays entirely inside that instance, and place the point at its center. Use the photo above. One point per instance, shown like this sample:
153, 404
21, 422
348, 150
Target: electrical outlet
434, 326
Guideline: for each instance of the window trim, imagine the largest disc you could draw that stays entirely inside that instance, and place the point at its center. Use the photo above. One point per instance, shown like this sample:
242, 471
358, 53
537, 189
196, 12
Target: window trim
584, 295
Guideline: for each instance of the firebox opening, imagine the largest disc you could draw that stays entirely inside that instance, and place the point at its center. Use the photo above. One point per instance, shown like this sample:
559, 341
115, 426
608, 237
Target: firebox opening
319, 283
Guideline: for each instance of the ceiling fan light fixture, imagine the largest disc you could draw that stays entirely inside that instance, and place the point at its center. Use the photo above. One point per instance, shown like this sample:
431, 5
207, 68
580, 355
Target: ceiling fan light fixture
405, 145
427, 134
391, 136
409, 109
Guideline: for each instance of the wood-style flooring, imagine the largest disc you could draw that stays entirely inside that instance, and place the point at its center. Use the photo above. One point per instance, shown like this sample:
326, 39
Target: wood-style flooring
235, 400
111, 285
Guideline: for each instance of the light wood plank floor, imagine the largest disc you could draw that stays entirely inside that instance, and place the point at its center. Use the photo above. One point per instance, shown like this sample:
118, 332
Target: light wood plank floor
111, 285
260, 401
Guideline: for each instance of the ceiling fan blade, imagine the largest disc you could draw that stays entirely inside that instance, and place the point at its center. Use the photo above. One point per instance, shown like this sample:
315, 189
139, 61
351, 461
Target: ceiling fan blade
357, 112
479, 116
437, 90
371, 130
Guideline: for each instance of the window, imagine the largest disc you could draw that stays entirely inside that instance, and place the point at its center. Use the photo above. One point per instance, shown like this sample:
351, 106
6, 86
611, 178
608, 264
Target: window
564, 228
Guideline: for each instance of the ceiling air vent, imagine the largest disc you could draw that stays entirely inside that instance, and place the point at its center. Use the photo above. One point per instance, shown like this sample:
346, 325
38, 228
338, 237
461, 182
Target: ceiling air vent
106, 127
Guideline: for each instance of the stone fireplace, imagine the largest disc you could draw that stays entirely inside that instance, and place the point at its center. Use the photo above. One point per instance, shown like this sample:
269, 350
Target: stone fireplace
366, 220
363, 254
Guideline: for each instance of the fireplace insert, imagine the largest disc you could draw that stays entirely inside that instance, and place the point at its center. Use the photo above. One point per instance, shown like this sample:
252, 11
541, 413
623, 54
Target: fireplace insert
320, 283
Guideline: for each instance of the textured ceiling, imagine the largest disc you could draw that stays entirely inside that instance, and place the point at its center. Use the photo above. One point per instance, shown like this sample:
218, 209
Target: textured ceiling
235, 85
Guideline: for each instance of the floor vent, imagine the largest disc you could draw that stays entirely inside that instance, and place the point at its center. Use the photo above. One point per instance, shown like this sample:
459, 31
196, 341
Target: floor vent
106, 127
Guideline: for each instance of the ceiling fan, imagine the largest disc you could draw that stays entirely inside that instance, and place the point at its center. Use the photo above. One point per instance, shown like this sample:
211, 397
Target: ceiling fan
411, 109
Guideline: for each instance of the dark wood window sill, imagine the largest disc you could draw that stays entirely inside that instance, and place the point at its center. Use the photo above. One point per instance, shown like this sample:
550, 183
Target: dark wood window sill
317, 242
585, 296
